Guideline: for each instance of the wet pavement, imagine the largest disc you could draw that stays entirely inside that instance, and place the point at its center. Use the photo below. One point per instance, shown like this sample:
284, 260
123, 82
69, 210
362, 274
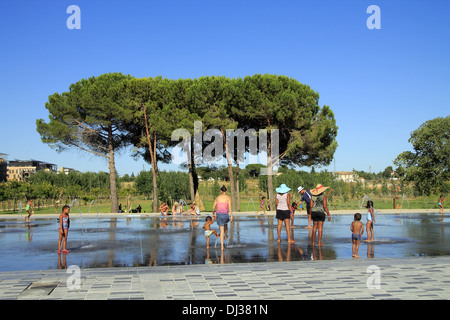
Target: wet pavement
139, 241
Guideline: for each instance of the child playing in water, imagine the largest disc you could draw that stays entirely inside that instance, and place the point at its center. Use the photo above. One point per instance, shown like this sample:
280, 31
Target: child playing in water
357, 229
261, 205
294, 207
64, 224
29, 209
441, 204
370, 221
208, 231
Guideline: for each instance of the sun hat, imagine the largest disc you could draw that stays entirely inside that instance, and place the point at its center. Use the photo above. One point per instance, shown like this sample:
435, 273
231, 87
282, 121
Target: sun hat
300, 189
318, 190
282, 189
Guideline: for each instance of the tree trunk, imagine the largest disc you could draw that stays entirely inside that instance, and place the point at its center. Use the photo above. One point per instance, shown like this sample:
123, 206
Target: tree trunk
155, 176
155, 188
238, 197
112, 176
190, 155
270, 193
153, 163
230, 173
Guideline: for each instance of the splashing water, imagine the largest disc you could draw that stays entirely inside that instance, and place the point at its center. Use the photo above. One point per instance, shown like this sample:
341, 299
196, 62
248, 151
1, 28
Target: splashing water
248, 204
90, 205
403, 198
19, 212
96, 209
83, 228
364, 199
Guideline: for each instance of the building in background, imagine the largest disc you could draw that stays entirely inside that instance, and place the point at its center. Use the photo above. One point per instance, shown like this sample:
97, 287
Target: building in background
3, 167
20, 170
65, 170
346, 176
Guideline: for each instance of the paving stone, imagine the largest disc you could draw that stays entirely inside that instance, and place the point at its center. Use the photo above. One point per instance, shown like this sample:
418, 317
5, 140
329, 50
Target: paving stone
407, 278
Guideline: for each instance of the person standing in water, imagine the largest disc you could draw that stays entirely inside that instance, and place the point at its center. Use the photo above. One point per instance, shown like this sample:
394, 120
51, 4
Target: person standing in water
284, 209
64, 225
222, 211
318, 212
357, 229
307, 199
370, 221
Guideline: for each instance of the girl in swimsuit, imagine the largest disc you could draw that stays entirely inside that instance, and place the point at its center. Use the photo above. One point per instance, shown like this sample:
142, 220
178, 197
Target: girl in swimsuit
64, 225
29, 209
441, 204
370, 220
261, 205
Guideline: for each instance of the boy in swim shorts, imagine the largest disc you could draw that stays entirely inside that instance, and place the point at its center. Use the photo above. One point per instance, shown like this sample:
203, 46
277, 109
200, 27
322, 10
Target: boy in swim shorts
357, 229
208, 230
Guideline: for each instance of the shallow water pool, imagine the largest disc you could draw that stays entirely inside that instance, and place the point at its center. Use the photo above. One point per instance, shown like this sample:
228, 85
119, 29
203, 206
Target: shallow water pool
153, 241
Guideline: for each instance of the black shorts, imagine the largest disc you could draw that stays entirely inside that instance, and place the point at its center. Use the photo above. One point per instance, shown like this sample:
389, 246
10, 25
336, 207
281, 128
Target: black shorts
318, 216
283, 214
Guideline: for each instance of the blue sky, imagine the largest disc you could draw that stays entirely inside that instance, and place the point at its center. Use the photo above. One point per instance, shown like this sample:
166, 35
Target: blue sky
381, 84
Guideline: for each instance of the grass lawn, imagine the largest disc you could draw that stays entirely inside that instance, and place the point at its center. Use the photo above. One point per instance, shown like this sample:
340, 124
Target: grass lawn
248, 204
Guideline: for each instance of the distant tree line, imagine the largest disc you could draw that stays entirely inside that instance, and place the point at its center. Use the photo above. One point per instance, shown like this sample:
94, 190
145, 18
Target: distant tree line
103, 114
58, 188
49, 188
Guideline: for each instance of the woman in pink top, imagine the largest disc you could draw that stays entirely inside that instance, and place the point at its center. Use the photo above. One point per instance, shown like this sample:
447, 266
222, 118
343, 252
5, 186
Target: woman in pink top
284, 209
223, 213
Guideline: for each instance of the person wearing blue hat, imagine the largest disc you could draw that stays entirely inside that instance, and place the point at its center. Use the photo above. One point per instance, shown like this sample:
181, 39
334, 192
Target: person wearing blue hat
283, 205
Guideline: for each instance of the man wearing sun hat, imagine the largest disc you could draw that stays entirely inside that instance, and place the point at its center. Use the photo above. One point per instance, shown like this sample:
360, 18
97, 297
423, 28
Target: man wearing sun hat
318, 212
306, 198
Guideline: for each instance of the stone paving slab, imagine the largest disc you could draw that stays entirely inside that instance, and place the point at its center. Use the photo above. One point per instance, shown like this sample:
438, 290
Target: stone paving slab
424, 278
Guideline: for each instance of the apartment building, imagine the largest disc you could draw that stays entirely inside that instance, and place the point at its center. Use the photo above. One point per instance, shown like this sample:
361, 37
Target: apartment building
20, 170
3, 166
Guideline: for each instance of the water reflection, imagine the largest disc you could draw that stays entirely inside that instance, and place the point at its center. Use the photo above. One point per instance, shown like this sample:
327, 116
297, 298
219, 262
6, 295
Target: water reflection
138, 241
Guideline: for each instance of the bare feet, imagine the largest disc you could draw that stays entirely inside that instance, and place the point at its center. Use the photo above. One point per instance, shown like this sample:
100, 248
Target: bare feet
290, 241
